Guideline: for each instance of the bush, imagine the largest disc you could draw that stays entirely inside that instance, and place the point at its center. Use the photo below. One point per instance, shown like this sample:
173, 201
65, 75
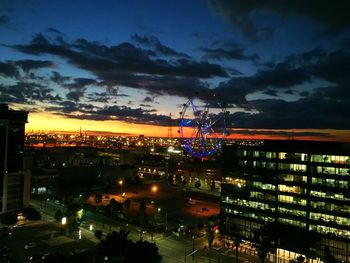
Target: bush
31, 213
98, 234
9, 218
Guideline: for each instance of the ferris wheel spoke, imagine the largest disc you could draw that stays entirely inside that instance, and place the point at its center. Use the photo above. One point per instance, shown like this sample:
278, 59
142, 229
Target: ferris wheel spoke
195, 133
212, 131
194, 108
216, 119
201, 144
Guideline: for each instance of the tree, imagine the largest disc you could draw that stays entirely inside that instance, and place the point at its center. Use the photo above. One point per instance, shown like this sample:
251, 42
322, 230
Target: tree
58, 215
98, 234
117, 247
210, 235
127, 204
114, 207
212, 185
31, 213
98, 198
237, 241
197, 184
142, 250
142, 209
9, 218
264, 242
235, 233
73, 216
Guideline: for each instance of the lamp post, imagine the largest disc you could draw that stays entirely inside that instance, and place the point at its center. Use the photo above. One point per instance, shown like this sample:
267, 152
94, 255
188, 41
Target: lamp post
154, 188
63, 223
120, 182
165, 217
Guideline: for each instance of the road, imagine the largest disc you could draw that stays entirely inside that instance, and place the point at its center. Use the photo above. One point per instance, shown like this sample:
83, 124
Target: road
171, 248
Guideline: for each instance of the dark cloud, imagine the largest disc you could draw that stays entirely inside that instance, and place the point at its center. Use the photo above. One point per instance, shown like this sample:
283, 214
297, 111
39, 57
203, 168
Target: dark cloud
80, 83
221, 53
114, 91
271, 92
159, 48
121, 59
240, 13
98, 97
313, 112
147, 99
58, 78
54, 30
7, 69
75, 95
334, 67
287, 134
120, 113
4, 20
159, 85
77, 88
282, 76
27, 93
69, 107
105, 97
320, 107
145, 105
29, 64
304, 94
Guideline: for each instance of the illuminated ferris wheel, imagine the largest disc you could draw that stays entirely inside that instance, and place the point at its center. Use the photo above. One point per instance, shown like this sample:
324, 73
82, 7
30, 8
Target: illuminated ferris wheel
203, 126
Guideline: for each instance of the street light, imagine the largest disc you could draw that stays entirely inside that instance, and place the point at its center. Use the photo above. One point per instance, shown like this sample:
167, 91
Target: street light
154, 188
121, 185
63, 223
165, 217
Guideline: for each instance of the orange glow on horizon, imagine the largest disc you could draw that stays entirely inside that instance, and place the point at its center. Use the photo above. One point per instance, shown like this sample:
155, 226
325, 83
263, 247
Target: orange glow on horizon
50, 122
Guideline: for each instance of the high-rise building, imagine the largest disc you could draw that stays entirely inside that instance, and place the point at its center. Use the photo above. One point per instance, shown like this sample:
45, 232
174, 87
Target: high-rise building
14, 184
303, 186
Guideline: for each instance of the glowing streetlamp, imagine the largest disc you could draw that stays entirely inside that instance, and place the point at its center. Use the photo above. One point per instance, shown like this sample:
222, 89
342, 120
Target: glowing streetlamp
120, 182
154, 188
165, 216
63, 224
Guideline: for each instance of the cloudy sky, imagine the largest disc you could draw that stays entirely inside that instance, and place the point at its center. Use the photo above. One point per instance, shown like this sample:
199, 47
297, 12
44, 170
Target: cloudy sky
282, 68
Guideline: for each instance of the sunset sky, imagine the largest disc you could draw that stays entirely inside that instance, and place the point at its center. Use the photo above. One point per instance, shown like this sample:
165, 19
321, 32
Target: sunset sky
282, 68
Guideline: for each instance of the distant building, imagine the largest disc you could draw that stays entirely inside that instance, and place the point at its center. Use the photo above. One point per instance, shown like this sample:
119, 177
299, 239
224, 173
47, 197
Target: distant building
14, 182
302, 186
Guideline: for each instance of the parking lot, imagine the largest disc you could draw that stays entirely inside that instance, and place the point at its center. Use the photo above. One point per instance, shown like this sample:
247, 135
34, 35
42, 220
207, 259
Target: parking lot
41, 239
174, 205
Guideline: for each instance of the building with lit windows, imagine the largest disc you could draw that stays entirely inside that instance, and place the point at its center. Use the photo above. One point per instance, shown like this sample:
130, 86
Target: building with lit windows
14, 182
301, 185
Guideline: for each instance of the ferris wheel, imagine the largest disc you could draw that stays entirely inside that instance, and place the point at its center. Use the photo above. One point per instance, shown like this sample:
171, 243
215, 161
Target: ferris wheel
203, 126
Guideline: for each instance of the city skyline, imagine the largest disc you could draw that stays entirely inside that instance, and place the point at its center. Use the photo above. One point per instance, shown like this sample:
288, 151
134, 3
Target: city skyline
282, 69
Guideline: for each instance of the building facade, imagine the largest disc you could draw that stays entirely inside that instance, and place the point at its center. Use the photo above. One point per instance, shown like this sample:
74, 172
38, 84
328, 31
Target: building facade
302, 185
14, 182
